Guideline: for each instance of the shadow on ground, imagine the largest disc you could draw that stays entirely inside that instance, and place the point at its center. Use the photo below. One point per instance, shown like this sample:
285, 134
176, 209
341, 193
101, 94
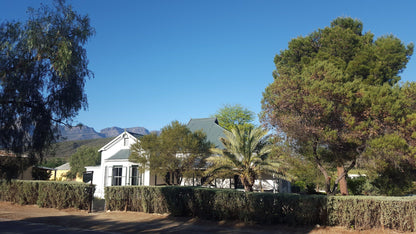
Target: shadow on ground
161, 225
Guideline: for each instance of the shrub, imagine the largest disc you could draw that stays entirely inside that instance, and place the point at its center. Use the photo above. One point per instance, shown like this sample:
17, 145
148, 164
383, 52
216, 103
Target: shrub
356, 185
218, 204
20, 192
47, 193
361, 212
366, 212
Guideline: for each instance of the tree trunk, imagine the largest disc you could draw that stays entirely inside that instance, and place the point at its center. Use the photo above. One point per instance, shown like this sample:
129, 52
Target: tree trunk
322, 169
342, 182
248, 187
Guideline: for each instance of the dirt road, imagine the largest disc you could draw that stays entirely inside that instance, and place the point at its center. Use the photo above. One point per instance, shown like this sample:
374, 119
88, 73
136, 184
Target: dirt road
133, 222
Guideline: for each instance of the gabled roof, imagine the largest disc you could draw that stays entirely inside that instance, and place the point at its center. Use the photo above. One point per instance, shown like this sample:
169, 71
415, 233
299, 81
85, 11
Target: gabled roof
210, 127
121, 154
65, 166
136, 135
118, 138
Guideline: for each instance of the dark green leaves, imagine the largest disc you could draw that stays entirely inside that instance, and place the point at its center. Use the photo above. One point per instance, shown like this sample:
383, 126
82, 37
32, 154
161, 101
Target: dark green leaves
176, 150
43, 68
337, 89
85, 156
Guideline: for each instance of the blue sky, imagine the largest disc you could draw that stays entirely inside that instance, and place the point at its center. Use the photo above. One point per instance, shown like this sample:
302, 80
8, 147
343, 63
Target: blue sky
158, 61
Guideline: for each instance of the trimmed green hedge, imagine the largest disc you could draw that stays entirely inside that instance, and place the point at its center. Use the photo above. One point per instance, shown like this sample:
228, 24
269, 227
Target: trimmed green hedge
365, 212
218, 204
50, 194
359, 212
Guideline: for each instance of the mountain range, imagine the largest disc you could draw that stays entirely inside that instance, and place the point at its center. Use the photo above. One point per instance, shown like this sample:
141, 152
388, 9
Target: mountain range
87, 133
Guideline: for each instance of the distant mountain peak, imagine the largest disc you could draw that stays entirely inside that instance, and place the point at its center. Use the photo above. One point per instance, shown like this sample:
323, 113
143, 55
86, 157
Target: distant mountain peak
86, 133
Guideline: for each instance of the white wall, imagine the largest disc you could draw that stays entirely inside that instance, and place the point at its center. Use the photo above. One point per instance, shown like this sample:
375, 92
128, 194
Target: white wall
97, 180
103, 174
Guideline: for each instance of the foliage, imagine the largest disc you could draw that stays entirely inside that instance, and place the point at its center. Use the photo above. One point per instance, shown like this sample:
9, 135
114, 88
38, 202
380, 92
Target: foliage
47, 193
368, 212
334, 91
356, 185
359, 212
218, 204
245, 155
11, 167
40, 174
176, 152
52, 162
65, 195
85, 156
65, 149
230, 116
43, 69
305, 176
391, 169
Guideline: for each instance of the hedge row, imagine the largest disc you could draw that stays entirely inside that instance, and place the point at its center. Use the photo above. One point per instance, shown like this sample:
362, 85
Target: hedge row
359, 212
218, 204
365, 212
49, 194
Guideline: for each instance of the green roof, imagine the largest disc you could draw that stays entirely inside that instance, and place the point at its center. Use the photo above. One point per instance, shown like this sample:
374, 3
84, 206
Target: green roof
121, 154
210, 127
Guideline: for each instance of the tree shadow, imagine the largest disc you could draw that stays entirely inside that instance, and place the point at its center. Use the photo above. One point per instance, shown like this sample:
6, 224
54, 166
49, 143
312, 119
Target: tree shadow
167, 224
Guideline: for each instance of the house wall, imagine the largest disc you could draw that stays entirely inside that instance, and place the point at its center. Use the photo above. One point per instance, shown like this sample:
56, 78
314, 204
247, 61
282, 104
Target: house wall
125, 173
196, 181
97, 180
156, 179
117, 144
103, 173
146, 178
61, 176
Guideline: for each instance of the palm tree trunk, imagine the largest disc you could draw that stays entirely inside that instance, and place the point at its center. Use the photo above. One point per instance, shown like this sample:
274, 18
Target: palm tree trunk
248, 185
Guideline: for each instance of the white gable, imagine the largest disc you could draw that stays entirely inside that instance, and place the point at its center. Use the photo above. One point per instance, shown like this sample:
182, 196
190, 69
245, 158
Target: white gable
103, 173
120, 139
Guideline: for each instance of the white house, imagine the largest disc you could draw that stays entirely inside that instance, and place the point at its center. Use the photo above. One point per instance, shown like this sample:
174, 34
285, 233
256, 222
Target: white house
115, 168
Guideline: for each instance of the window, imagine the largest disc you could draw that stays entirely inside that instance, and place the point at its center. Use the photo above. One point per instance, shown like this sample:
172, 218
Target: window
136, 178
117, 175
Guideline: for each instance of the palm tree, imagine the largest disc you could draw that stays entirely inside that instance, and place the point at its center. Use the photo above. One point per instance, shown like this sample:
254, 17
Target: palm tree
245, 155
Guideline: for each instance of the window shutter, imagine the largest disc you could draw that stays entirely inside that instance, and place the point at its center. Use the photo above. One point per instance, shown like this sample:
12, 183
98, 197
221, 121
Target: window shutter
110, 171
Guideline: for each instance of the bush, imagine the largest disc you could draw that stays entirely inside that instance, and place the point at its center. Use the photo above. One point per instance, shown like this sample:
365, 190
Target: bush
356, 185
218, 204
359, 212
47, 193
366, 212
20, 192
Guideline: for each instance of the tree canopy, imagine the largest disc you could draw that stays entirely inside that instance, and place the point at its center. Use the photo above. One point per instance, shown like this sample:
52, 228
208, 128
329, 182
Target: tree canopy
230, 116
43, 69
85, 156
335, 90
176, 152
245, 155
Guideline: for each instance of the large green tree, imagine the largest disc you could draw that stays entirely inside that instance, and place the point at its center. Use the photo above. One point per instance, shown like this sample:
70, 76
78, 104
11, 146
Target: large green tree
245, 154
85, 156
43, 69
230, 116
333, 91
391, 158
176, 152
